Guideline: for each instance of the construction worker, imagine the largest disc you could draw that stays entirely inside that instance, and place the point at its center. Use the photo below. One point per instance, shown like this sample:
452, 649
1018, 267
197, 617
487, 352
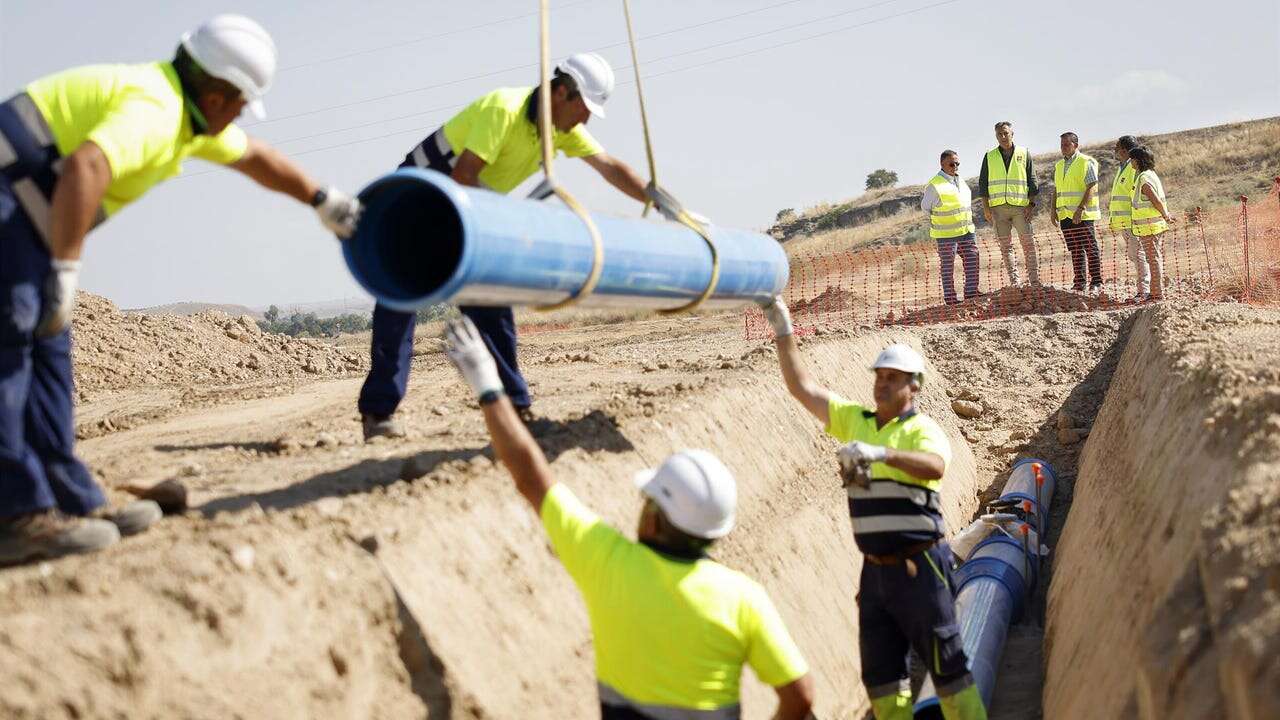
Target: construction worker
1151, 216
75, 148
893, 464
1119, 214
1007, 187
494, 144
672, 628
948, 201
1075, 204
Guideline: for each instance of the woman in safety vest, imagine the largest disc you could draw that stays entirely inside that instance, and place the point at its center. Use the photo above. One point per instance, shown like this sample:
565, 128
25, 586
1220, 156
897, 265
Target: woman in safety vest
1151, 216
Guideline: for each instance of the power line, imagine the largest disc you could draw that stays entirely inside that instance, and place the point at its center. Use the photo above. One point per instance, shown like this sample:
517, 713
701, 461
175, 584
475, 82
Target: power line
655, 75
525, 66
415, 41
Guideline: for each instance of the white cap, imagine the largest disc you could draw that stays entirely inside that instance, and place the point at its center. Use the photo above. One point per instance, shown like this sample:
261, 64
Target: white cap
238, 50
900, 356
696, 492
594, 78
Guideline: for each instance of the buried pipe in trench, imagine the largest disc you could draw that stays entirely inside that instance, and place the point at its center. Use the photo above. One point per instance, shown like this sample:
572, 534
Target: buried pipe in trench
996, 581
424, 239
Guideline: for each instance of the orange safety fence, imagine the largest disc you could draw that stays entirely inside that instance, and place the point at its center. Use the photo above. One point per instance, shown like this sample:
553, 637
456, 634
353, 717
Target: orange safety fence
1227, 253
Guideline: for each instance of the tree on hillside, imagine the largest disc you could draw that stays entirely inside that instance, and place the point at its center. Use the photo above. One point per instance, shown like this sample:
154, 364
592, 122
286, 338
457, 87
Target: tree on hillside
882, 178
785, 214
272, 314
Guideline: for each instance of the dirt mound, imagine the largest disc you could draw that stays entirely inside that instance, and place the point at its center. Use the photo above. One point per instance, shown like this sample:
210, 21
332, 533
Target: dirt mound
116, 350
1165, 599
1004, 302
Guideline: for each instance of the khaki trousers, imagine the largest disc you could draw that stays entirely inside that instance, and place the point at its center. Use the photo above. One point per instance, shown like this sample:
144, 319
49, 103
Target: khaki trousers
1005, 218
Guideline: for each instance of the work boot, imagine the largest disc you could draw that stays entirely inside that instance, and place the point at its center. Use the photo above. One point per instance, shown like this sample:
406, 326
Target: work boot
50, 534
381, 426
130, 518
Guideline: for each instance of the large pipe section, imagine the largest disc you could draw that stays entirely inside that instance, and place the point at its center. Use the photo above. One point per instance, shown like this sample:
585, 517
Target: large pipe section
999, 576
424, 239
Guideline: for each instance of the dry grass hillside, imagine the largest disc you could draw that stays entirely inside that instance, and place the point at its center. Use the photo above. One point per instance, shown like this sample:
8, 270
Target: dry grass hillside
1205, 168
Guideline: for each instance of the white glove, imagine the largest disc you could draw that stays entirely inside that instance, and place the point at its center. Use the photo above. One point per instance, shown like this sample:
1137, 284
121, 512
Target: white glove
543, 191
59, 297
669, 207
339, 212
858, 451
778, 316
467, 351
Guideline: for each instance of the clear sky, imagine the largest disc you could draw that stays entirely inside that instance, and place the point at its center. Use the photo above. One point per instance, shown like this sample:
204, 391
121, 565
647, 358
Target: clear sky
756, 105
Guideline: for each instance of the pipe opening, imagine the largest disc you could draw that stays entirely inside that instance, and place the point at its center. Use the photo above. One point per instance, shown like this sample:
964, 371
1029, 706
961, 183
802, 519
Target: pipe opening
409, 242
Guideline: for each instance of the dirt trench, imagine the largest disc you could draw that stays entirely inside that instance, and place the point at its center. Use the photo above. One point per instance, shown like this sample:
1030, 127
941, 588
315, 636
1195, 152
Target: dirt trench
323, 577
1165, 601
352, 594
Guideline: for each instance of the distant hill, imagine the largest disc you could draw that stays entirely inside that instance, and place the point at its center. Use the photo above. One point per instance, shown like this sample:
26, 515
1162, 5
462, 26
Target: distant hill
1199, 167
191, 308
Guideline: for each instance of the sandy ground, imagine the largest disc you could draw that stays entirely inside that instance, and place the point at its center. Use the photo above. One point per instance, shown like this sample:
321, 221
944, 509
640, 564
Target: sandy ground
318, 576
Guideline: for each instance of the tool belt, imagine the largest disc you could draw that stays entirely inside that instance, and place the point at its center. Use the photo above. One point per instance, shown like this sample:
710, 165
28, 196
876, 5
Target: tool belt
903, 556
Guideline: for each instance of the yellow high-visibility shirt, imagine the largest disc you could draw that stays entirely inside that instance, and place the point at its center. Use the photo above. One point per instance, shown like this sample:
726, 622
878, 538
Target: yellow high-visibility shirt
497, 130
669, 632
137, 115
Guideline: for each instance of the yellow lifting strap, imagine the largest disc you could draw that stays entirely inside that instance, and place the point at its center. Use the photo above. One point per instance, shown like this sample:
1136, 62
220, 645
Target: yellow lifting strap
682, 215
547, 133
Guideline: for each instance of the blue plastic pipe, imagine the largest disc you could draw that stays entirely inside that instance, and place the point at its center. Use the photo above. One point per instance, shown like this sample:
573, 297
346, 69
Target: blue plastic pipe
993, 585
424, 239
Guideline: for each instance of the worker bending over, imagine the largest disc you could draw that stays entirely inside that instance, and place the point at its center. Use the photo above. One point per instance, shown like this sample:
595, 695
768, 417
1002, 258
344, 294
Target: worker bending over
672, 628
494, 143
893, 464
75, 148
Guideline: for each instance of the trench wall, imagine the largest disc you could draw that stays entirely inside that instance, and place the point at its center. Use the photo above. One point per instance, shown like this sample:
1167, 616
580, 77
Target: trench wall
1164, 601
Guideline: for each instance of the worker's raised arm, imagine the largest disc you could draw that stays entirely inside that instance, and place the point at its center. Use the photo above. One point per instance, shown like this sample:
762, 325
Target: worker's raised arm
512, 442
815, 398
273, 170
618, 174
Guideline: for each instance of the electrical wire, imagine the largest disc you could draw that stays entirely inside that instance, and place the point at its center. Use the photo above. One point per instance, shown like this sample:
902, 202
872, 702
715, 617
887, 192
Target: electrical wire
623, 82
525, 66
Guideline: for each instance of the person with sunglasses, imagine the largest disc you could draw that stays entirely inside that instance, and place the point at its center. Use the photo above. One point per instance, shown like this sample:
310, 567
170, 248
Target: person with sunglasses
948, 201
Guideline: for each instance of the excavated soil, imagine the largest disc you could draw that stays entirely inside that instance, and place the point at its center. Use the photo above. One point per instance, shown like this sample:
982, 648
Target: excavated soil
318, 576
1165, 600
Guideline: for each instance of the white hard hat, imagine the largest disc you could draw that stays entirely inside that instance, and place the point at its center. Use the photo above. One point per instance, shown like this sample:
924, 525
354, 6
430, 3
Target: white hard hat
900, 356
594, 78
238, 50
696, 492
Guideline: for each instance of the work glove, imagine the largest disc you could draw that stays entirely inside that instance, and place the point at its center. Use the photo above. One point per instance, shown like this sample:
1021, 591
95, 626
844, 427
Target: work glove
543, 190
855, 462
467, 351
339, 212
669, 207
59, 297
778, 316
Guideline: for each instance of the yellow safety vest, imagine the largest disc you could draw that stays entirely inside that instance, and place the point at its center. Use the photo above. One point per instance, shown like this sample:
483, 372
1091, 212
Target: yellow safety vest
1147, 220
1070, 186
1120, 209
953, 215
1007, 186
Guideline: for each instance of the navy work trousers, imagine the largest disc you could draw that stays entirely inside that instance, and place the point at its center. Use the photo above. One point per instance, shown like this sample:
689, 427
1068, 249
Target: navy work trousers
38, 466
966, 247
392, 352
897, 612
1082, 243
